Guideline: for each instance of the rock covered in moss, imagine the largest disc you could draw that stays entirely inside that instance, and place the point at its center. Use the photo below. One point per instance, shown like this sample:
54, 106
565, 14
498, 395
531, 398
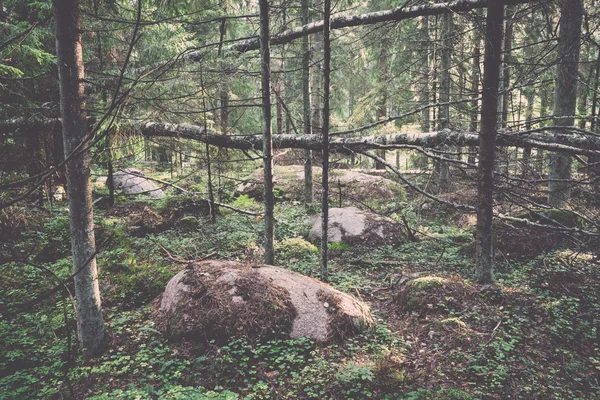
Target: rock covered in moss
431, 293
357, 228
216, 300
354, 187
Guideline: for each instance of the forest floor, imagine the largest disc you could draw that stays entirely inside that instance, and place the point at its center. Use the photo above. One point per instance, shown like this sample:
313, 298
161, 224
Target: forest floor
531, 335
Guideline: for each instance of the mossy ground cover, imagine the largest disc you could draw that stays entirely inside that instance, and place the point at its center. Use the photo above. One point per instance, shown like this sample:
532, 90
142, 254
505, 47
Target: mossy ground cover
438, 335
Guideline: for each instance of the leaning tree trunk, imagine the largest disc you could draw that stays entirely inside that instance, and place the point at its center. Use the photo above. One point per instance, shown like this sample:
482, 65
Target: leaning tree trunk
90, 322
565, 96
267, 136
487, 141
325, 143
308, 178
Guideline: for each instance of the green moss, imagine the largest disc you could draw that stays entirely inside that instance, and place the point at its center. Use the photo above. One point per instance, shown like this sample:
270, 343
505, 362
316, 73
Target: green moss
426, 282
189, 223
553, 217
453, 322
297, 246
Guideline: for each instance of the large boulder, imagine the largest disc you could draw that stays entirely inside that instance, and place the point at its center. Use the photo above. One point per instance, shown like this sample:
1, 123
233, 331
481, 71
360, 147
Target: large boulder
355, 187
216, 300
133, 181
357, 228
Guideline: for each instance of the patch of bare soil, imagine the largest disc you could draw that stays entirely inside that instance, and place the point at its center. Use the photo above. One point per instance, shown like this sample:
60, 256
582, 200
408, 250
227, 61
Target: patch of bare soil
177, 208
528, 242
139, 217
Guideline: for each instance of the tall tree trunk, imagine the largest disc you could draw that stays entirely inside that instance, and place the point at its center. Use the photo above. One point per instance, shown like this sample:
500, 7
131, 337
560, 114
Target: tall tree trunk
539, 154
565, 96
35, 165
424, 95
382, 107
487, 141
90, 322
308, 178
265, 69
593, 162
442, 168
316, 49
209, 181
325, 133
530, 97
585, 73
508, 37
224, 83
475, 93
279, 88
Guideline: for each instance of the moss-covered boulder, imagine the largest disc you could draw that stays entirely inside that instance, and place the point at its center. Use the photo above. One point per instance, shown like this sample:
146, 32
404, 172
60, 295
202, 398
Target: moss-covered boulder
217, 300
357, 228
352, 187
431, 294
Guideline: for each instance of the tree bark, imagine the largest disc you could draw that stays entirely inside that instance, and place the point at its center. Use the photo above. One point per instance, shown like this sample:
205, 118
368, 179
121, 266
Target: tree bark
474, 93
487, 141
308, 179
325, 140
508, 36
565, 96
442, 168
316, 84
567, 144
382, 107
593, 161
265, 70
345, 21
90, 322
424, 95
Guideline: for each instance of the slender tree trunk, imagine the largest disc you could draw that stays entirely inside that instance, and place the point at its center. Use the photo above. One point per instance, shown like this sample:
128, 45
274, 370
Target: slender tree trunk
265, 70
90, 322
508, 37
487, 141
209, 181
325, 133
382, 108
316, 44
224, 83
425, 119
475, 93
308, 178
279, 87
442, 168
526, 162
544, 104
593, 162
565, 96
585, 73
110, 173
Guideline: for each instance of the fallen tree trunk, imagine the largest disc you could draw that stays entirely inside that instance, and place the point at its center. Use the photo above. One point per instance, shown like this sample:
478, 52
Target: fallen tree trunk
569, 144
347, 21
575, 144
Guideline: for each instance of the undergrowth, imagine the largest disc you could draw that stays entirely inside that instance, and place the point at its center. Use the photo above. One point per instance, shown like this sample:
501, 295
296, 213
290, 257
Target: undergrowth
532, 335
